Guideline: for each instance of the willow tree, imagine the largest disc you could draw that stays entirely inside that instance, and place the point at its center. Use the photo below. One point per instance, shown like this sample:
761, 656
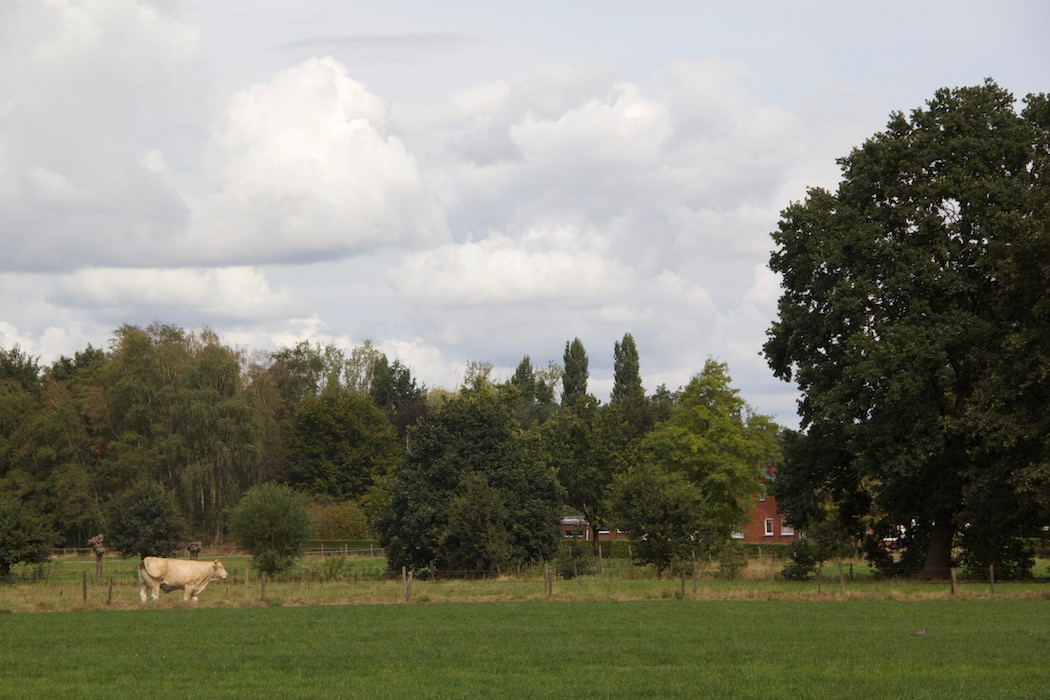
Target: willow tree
900, 317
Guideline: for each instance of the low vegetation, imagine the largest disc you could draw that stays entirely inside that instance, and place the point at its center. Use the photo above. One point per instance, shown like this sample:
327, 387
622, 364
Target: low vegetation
68, 584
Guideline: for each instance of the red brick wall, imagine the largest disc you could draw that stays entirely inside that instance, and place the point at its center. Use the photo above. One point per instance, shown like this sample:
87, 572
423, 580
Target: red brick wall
755, 530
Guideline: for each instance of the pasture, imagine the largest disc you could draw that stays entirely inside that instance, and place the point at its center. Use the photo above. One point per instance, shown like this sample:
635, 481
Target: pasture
68, 584
338, 627
829, 648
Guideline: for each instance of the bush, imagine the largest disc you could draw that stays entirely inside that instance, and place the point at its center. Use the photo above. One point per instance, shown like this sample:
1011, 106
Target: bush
803, 562
341, 520
272, 522
731, 559
24, 536
144, 521
1013, 560
774, 550
616, 549
575, 557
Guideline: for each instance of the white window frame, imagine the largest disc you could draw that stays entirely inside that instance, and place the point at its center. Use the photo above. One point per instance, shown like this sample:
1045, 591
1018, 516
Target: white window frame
769, 527
786, 529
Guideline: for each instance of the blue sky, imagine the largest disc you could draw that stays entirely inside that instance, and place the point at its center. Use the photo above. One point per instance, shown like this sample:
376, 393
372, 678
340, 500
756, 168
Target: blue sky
455, 181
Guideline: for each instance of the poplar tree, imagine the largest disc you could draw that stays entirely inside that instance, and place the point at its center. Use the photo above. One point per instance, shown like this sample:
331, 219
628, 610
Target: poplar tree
574, 379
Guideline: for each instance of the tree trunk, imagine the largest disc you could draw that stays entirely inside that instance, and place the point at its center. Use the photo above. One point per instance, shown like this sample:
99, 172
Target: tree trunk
939, 554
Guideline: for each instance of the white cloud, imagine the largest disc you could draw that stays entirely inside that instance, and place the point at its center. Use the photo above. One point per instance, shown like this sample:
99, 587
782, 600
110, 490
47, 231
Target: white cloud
231, 293
87, 89
540, 267
302, 168
622, 129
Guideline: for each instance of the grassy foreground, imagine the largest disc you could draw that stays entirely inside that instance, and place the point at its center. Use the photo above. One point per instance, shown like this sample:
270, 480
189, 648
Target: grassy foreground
633, 649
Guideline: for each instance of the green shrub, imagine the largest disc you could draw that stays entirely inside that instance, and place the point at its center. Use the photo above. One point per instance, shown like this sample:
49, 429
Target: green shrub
575, 558
338, 520
775, 550
731, 559
272, 522
803, 562
616, 549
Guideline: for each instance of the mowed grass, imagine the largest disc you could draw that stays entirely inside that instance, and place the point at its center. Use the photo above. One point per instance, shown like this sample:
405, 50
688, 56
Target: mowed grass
853, 648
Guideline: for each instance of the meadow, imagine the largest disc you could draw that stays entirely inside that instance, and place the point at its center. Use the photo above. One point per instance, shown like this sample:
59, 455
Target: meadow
338, 627
537, 649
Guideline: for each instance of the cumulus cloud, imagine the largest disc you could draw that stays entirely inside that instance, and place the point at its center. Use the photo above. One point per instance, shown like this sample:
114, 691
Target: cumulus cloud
540, 267
302, 168
88, 89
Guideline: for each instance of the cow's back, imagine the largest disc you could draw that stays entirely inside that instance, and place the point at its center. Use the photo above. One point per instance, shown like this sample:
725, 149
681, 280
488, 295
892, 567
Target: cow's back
154, 567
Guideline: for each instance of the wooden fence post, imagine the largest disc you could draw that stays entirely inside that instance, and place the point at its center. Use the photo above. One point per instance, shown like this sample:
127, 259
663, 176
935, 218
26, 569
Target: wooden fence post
406, 583
953, 580
991, 576
109, 596
262, 585
548, 581
85, 586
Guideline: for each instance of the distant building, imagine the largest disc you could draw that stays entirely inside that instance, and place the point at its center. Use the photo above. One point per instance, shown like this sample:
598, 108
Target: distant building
766, 523
576, 527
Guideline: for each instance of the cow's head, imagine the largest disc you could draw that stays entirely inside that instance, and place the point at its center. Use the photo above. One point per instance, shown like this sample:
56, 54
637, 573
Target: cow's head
218, 570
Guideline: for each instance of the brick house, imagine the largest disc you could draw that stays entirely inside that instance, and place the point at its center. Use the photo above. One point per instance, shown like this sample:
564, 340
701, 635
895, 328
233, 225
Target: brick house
766, 523
576, 527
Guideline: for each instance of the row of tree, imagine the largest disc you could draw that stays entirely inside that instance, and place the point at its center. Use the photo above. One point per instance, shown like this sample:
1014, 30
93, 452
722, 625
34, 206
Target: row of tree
471, 480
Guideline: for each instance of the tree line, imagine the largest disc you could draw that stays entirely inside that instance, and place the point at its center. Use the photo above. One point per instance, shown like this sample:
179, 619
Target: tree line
169, 424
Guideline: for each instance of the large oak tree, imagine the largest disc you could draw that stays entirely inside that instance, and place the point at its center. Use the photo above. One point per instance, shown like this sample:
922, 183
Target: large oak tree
906, 295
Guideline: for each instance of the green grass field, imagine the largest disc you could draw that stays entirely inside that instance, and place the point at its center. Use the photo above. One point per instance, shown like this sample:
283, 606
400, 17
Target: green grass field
539, 649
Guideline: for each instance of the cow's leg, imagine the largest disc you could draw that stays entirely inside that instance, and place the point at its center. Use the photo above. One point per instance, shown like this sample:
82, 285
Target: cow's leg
188, 593
154, 590
142, 593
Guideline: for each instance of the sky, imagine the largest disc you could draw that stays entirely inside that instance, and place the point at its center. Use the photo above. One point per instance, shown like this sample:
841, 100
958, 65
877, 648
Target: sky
458, 181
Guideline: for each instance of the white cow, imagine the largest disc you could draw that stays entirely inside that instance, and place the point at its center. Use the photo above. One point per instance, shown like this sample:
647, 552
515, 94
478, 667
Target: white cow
160, 574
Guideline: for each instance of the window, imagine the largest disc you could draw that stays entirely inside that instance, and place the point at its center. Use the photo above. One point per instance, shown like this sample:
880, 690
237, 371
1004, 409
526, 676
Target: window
769, 527
786, 529
737, 535
762, 495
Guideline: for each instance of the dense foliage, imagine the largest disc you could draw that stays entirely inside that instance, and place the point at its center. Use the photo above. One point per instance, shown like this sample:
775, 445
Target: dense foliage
144, 521
914, 319
272, 522
25, 537
468, 495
